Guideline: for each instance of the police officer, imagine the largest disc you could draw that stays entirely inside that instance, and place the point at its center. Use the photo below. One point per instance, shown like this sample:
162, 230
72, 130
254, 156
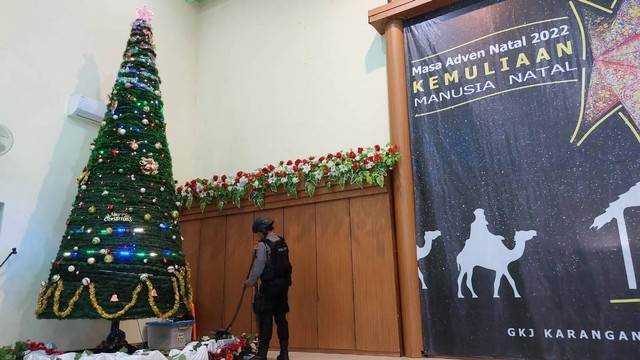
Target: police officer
274, 287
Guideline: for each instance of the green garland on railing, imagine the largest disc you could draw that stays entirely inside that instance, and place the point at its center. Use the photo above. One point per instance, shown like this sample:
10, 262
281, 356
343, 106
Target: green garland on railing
369, 165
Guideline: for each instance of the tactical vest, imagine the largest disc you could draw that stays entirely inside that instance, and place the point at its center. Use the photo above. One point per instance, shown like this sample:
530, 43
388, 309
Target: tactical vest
278, 265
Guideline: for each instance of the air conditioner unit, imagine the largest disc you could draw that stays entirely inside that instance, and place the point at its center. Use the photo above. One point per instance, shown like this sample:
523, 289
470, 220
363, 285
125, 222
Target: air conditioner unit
82, 107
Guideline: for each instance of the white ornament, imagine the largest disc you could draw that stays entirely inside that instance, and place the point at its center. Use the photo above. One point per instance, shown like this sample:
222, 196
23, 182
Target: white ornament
143, 190
105, 193
55, 278
75, 248
92, 146
71, 268
86, 281
134, 146
103, 123
43, 284
91, 261
145, 121
158, 146
115, 117
122, 131
103, 251
145, 261
144, 277
161, 188
83, 187
154, 200
95, 240
171, 269
99, 160
173, 237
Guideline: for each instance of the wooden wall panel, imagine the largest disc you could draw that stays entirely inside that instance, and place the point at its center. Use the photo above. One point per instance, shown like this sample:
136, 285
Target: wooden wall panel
374, 279
342, 250
239, 251
336, 328
300, 233
190, 231
210, 296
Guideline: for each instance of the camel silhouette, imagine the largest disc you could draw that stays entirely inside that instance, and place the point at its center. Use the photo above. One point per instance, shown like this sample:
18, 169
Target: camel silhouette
423, 251
615, 211
492, 256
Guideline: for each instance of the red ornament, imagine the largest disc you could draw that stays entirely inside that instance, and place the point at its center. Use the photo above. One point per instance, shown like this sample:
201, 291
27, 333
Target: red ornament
110, 207
108, 251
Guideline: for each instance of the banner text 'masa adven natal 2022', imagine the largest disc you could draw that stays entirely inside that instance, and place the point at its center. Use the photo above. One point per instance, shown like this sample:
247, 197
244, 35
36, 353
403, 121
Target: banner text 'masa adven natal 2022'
524, 119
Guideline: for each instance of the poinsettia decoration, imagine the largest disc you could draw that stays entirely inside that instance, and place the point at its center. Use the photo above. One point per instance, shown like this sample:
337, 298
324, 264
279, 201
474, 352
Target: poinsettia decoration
21, 348
358, 166
234, 347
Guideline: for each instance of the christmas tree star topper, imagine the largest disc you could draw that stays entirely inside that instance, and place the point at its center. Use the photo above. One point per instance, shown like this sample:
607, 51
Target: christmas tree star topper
145, 14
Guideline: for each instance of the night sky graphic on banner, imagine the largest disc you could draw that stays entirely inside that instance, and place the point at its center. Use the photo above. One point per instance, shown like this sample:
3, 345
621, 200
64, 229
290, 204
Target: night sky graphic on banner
525, 123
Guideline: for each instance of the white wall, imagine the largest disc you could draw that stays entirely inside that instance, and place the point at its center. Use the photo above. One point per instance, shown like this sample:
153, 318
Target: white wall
48, 51
285, 79
276, 80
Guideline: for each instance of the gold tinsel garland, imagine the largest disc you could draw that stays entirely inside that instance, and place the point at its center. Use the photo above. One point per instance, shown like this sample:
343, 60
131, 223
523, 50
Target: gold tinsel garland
187, 297
153, 305
184, 290
43, 297
72, 302
104, 314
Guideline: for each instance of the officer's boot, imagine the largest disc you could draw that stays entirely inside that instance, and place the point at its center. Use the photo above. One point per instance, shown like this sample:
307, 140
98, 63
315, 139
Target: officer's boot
262, 352
284, 350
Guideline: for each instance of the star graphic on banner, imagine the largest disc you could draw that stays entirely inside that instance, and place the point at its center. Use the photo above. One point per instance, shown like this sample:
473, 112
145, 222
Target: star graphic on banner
615, 45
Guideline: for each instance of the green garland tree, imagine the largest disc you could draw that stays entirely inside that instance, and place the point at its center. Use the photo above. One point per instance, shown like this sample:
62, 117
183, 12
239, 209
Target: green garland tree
121, 254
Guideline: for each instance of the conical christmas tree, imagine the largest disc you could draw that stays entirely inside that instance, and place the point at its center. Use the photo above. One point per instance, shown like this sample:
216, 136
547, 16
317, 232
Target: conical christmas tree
121, 254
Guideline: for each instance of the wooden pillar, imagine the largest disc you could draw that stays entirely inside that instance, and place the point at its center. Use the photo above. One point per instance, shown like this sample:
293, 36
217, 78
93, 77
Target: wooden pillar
404, 209
388, 20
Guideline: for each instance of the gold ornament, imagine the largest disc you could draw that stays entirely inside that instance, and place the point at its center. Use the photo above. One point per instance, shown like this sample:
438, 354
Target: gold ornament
92, 209
84, 177
147, 217
175, 214
108, 258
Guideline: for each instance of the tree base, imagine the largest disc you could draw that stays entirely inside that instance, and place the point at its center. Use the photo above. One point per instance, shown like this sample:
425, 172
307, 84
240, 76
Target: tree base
116, 341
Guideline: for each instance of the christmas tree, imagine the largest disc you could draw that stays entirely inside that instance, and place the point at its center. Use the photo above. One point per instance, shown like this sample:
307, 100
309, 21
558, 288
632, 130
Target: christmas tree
121, 254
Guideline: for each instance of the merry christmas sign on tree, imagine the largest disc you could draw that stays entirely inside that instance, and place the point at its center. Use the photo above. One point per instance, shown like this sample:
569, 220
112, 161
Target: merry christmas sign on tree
121, 254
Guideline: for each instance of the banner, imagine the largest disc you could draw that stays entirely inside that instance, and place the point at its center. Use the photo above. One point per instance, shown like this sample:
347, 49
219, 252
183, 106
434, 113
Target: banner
525, 135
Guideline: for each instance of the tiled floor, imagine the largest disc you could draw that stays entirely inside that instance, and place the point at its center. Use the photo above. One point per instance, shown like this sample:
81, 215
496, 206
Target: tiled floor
321, 356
